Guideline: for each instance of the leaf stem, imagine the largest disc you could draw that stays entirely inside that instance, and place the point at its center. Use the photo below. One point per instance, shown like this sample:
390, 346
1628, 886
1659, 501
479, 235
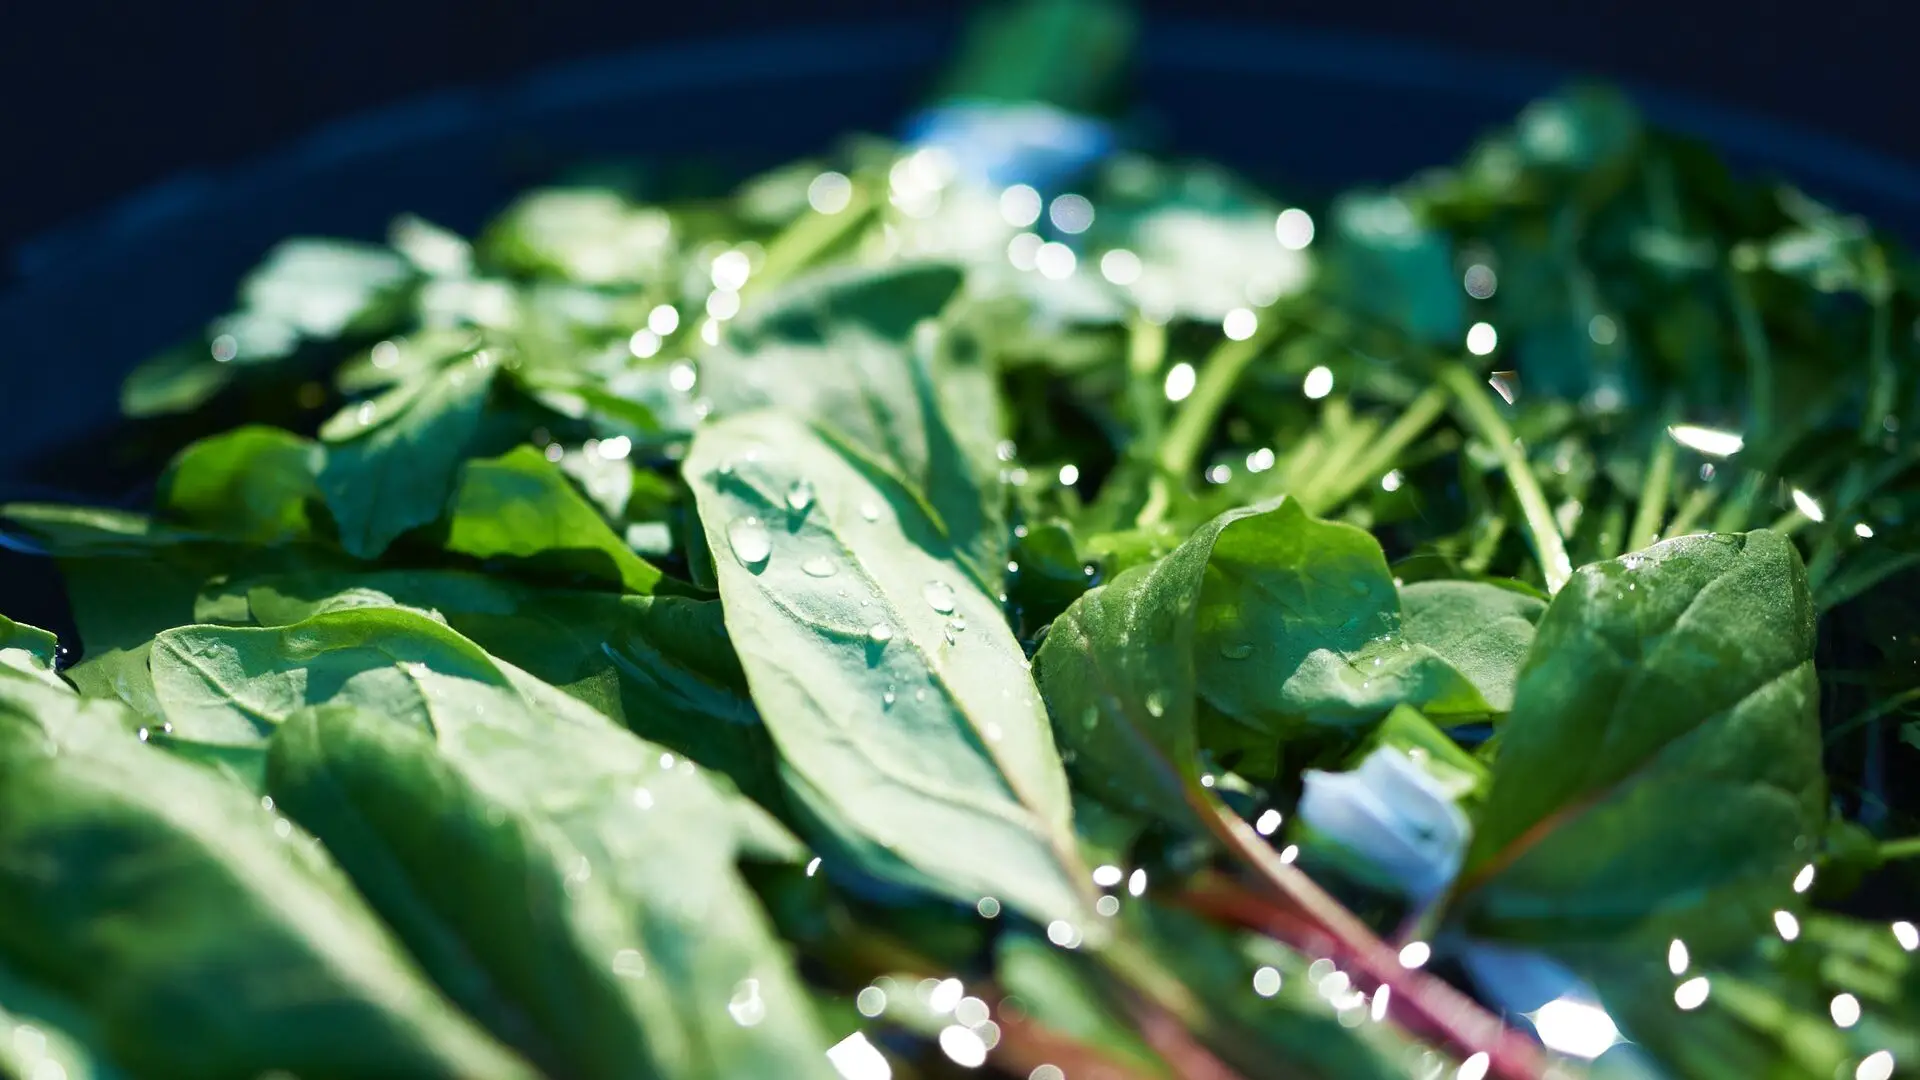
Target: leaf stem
1146, 355
1479, 416
1905, 848
1382, 452
808, 237
1753, 342
1450, 1014
1652, 508
1690, 511
1881, 389
1218, 374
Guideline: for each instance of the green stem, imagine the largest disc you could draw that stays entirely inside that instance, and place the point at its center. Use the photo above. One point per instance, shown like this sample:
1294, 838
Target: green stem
1692, 510
1868, 715
1907, 848
1653, 495
1383, 452
1146, 355
1480, 417
1753, 341
1214, 382
1881, 390
808, 237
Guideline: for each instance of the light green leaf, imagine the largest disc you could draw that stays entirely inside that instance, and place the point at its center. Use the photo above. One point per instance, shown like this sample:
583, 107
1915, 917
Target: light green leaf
898, 698
392, 460
202, 937
1674, 685
179, 380
322, 288
427, 765
520, 506
1482, 630
251, 484
40, 1033
29, 651
844, 349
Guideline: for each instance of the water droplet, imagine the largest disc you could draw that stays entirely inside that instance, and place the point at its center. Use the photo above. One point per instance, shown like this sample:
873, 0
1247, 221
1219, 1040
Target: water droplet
920, 695
818, 566
144, 733
1236, 652
880, 633
747, 1007
1155, 705
643, 798
629, 964
799, 496
939, 596
959, 624
870, 510
750, 541
887, 699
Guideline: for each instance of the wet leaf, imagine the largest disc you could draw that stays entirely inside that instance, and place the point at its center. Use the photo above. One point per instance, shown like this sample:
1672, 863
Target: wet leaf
918, 748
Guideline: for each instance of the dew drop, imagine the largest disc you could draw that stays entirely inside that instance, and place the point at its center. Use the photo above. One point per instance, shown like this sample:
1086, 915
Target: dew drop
750, 541
870, 511
887, 699
747, 1007
818, 566
939, 596
1155, 705
880, 633
1236, 652
799, 496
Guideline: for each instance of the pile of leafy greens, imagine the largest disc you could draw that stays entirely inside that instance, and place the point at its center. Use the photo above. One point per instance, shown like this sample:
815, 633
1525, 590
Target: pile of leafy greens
866, 626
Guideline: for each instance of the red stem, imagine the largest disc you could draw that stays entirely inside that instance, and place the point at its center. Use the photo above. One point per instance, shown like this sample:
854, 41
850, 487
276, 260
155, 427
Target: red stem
1305, 912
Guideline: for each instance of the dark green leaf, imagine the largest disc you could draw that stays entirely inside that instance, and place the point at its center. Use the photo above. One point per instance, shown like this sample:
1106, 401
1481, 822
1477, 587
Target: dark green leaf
1269, 616
1670, 686
897, 696
844, 350
204, 939
393, 459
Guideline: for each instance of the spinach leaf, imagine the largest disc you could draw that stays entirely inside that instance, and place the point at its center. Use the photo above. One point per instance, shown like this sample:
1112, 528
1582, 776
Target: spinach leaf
28, 650
252, 484
43, 1036
520, 506
900, 702
660, 664
843, 349
1482, 630
1270, 617
204, 940
427, 766
391, 461
1674, 685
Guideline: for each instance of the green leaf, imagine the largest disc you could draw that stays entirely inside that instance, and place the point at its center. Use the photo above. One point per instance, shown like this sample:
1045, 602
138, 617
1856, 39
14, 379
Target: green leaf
1271, 617
252, 484
1482, 630
843, 350
1674, 685
43, 1036
201, 936
179, 380
900, 702
427, 765
661, 664
393, 460
323, 288
28, 650
520, 506
1059, 995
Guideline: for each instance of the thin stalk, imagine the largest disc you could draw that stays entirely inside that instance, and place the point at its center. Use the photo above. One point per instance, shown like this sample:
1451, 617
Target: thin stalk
1477, 413
1868, 715
1383, 453
1753, 342
1880, 388
1692, 510
808, 237
1652, 508
1894, 850
1146, 355
1213, 385
1436, 1006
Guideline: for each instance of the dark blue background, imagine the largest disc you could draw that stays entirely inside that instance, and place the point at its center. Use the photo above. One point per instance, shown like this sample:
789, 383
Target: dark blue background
102, 97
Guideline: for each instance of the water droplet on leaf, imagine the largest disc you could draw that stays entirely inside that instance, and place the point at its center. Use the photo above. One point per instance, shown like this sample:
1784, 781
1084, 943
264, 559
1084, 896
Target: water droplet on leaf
799, 496
818, 566
939, 597
750, 541
880, 633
